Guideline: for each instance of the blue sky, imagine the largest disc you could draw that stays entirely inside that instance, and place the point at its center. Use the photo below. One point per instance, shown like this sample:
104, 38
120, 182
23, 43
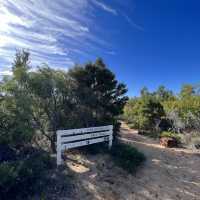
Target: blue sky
144, 42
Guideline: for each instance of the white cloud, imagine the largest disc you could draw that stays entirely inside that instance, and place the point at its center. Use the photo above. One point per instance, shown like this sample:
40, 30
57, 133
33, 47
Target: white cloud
5, 73
42, 27
105, 7
54, 32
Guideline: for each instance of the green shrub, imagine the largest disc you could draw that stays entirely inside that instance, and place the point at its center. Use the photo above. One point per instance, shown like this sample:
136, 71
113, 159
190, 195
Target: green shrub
24, 176
8, 174
184, 113
171, 135
127, 157
143, 113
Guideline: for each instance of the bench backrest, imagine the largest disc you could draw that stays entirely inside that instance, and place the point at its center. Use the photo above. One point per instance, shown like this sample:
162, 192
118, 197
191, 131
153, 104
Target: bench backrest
67, 139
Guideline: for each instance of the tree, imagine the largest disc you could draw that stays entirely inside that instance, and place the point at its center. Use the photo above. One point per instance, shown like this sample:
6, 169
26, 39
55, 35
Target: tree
100, 98
39, 103
184, 112
145, 112
47, 100
33, 102
16, 125
50, 91
162, 94
144, 92
130, 110
187, 91
87, 95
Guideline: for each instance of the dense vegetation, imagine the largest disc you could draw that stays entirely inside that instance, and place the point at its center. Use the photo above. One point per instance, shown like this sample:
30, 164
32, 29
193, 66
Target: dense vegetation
154, 112
35, 104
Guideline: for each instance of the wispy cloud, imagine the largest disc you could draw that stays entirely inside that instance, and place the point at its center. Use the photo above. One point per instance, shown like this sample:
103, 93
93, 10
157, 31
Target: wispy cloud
111, 53
132, 23
55, 32
5, 73
105, 7
39, 27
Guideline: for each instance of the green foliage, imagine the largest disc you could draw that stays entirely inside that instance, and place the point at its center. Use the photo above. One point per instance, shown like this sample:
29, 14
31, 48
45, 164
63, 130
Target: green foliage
144, 113
162, 110
187, 90
51, 103
25, 175
99, 95
162, 94
16, 126
171, 135
41, 102
9, 174
46, 100
127, 157
144, 92
14, 129
188, 111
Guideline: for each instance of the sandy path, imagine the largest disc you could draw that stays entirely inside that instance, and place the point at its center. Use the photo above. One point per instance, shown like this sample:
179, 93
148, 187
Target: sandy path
168, 174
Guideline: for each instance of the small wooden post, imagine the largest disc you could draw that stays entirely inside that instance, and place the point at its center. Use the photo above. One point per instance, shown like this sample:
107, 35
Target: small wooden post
110, 138
59, 156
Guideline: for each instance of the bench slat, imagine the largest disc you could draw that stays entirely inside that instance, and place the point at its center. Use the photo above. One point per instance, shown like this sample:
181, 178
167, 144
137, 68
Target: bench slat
84, 130
84, 143
67, 139
85, 136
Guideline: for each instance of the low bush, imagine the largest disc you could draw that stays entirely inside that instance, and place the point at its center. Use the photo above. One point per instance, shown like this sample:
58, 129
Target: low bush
25, 174
171, 135
123, 155
143, 113
127, 157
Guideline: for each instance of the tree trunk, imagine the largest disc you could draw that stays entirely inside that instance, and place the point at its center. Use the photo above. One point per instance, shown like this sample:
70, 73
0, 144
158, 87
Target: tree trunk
53, 146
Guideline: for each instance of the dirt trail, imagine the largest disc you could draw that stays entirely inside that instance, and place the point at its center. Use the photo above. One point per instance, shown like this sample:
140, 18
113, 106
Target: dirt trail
168, 174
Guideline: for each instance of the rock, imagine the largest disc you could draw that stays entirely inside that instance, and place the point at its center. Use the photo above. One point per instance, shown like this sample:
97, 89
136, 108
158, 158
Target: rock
168, 142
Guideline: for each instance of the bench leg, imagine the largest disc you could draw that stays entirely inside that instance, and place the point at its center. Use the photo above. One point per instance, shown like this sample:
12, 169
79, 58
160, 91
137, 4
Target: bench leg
58, 155
59, 158
110, 142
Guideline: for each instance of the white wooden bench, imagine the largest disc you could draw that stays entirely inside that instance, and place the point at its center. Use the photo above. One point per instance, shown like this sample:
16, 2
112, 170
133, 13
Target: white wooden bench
67, 139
